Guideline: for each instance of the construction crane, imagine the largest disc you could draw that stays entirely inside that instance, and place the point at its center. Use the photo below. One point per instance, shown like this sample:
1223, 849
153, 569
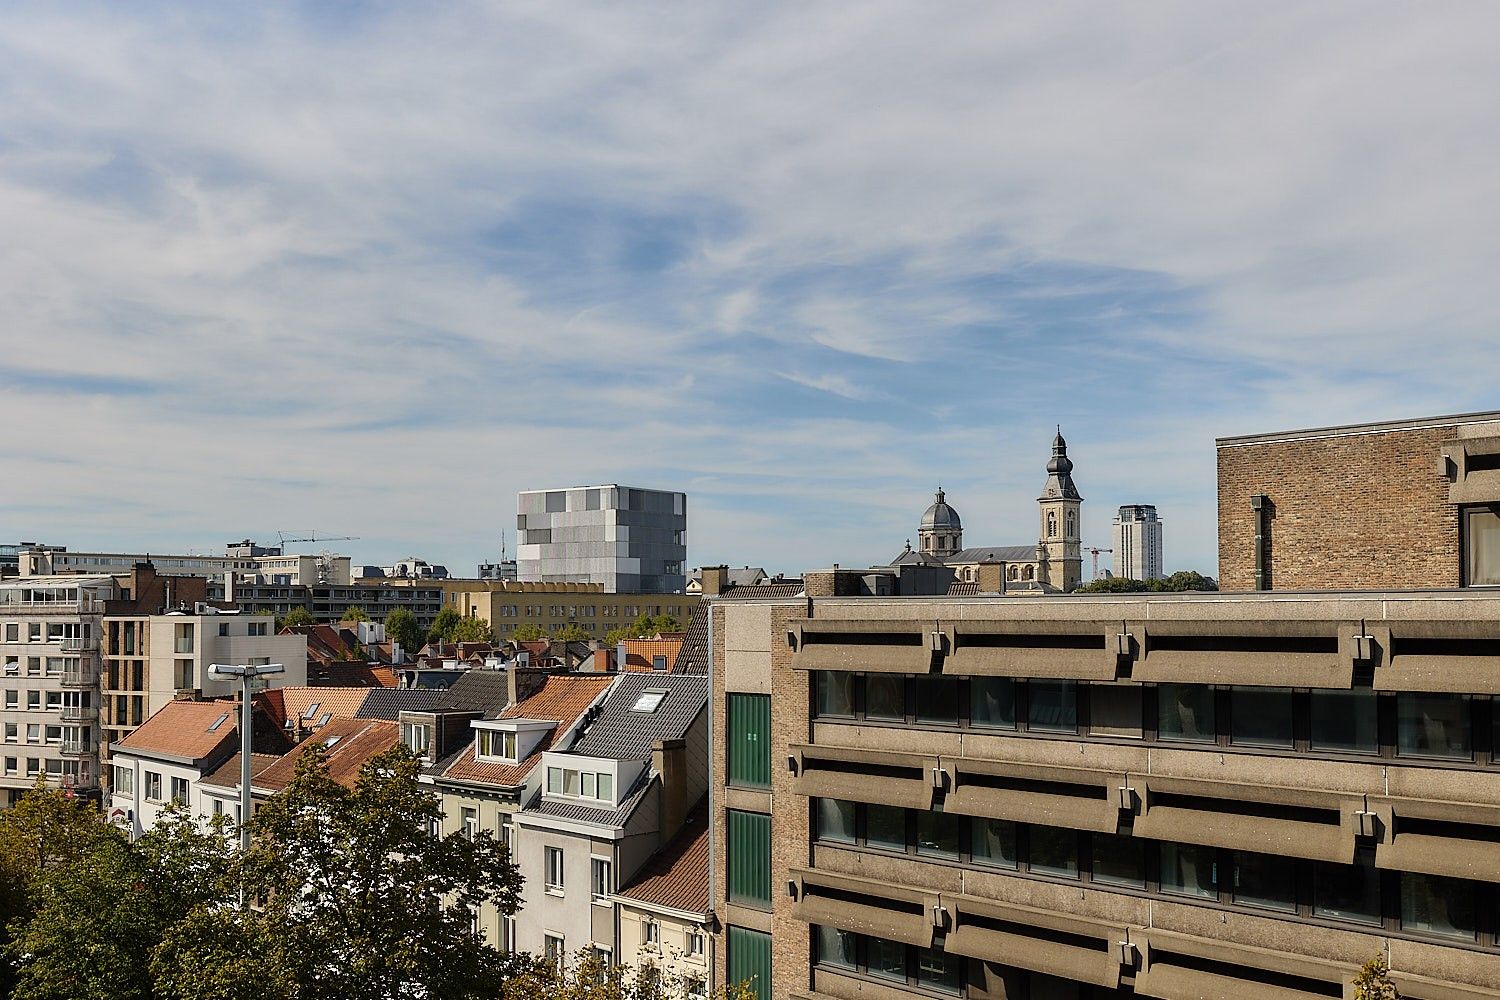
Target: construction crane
1095, 553
313, 537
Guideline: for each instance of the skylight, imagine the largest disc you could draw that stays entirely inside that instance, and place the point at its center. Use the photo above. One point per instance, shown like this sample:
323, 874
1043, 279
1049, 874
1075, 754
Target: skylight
218, 722
649, 701
312, 710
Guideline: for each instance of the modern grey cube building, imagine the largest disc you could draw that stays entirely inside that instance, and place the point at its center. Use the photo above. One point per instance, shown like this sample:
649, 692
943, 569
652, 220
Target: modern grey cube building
630, 540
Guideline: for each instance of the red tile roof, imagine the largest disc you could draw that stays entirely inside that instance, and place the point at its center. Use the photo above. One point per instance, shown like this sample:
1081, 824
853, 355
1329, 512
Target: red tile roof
676, 877
294, 702
355, 741
562, 698
228, 773
181, 729
640, 653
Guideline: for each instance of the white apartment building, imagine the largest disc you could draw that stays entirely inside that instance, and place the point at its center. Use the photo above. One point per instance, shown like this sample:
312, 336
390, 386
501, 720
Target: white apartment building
1137, 542
165, 759
183, 645
49, 681
257, 564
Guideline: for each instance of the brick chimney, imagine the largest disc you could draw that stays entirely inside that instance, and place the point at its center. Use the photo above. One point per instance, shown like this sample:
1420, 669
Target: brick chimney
991, 578
523, 682
669, 759
715, 580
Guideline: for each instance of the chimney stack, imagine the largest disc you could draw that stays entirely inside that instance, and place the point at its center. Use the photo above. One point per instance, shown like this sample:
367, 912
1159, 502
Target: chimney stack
715, 580
669, 759
992, 578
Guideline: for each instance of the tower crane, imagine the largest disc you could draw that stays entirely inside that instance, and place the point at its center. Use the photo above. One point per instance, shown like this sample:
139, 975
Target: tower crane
313, 537
1094, 551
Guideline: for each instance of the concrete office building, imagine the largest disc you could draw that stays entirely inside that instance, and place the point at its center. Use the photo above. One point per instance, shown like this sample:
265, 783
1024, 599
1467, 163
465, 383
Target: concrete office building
1173, 796
260, 563
627, 539
554, 606
1136, 539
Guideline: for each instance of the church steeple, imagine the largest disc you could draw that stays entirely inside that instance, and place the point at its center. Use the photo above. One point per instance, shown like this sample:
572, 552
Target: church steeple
1060, 549
1060, 473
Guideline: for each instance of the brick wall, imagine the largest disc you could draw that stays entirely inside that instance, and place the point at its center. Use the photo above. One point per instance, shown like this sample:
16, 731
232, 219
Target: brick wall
790, 822
1355, 511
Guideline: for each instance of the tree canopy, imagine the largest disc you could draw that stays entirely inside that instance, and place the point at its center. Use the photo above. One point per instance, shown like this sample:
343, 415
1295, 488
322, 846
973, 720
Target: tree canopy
1182, 580
401, 626
443, 625
296, 616
643, 627
472, 630
354, 613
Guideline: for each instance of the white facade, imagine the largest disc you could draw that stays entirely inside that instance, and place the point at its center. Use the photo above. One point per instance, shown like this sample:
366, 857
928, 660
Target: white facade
50, 629
1137, 543
183, 645
326, 568
143, 786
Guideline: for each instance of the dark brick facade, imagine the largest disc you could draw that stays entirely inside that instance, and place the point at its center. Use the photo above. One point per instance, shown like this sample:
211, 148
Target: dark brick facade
1351, 508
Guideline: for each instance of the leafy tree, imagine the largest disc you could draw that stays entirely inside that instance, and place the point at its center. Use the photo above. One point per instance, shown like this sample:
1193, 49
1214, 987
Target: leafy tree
571, 633
354, 614
1374, 981
589, 978
1114, 585
443, 625
341, 919
1186, 579
1178, 582
643, 627
296, 616
529, 632
401, 626
472, 630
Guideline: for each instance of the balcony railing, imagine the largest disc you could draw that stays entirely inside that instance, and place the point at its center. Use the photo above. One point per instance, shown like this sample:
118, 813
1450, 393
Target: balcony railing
76, 748
84, 673
79, 644
80, 713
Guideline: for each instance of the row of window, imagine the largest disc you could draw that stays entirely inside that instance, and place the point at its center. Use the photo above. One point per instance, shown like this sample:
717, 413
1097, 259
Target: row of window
46, 701
179, 789
47, 631
39, 666
582, 784
1428, 905
1354, 721
38, 733
583, 611
36, 765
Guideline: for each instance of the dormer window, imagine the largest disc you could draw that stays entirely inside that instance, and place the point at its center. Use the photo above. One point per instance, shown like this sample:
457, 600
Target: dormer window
497, 745
416, 737
649, 701
599, 785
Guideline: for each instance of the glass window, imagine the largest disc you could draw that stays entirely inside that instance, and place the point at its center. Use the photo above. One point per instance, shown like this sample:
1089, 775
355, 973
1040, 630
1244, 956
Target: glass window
834, 947
1347, 892
835, 819
1432, 725
939, 834
607, 787
1119, 860
1265, 880
886, 959
1189, 870
937, 970
993, 842
554, 858
1433, 904
1053, 851
1482, 545
1115, 710
885, 826
992, 703
1185, 712
1052, 706
1261, 716
937, 700
833, 694
1345, 721
885, 697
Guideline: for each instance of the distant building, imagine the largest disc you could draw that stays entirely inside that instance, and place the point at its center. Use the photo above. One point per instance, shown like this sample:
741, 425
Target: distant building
632, 541
554, 606
505, 569
254, 563
1137, 542
417, 569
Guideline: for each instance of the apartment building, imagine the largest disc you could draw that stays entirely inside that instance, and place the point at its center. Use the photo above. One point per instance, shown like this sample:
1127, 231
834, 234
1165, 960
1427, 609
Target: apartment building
50, 628
1136, 537
328, 602
243, 558
183, 644
1170, 796
507, 605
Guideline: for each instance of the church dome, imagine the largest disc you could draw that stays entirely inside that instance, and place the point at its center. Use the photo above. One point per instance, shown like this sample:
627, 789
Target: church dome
941, 517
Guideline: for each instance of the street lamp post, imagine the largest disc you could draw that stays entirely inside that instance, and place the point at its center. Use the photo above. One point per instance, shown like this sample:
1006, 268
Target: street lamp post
246, 672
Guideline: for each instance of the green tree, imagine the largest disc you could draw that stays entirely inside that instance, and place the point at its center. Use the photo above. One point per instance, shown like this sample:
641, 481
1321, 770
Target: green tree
1374, 981
340, 919
643, 627
571, 633
443, 625
1114, 585
401, 626
586, 977
354, 614
1186, 579
296, 616
472, 630
529, 632
1178, 582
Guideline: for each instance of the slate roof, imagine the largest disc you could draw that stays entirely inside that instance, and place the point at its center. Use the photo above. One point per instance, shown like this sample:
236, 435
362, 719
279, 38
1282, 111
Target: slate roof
476, 691
562, 698
389, 703
692, 655
181, 729
961, 589
762, 591
621, 734
676, 877
994, 553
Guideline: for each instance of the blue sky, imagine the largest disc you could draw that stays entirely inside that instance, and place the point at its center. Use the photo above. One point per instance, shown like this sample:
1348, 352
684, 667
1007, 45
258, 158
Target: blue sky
371, 269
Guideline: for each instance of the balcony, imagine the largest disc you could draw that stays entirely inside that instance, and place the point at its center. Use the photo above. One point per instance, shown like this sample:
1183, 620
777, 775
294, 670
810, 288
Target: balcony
76, 748
82, 674
79, 644
80, 713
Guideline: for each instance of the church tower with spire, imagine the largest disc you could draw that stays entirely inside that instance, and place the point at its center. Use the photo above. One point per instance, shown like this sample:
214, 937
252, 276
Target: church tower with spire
1060, 549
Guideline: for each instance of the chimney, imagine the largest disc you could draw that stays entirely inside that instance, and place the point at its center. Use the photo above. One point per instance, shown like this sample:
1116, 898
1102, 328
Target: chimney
992, 578
669, 759
715, 580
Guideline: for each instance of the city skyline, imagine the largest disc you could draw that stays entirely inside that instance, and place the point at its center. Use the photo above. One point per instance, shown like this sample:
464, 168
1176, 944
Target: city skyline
374, 272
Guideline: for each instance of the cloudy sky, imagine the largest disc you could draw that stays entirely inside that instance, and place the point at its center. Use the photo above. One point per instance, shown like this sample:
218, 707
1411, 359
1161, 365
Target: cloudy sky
370, 269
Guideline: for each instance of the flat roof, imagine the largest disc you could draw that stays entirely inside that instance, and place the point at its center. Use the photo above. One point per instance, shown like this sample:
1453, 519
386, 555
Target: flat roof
1351, 430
